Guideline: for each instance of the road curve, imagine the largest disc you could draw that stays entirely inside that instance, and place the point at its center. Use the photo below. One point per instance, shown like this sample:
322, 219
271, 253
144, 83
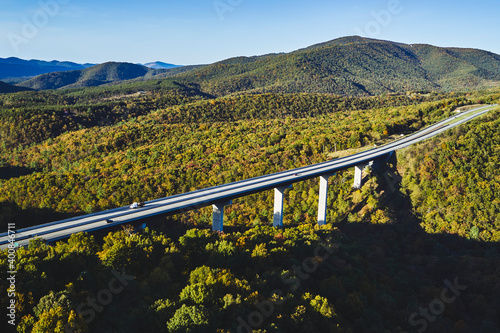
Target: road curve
196, 199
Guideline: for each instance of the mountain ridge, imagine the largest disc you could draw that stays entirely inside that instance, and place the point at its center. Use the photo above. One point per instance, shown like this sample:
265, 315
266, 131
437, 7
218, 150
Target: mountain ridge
352, 65
101, 74
13, 67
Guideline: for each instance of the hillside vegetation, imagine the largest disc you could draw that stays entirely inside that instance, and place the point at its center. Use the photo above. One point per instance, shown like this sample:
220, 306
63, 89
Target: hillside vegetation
92, 76
18, 68
454, 182
6, 88
352, 66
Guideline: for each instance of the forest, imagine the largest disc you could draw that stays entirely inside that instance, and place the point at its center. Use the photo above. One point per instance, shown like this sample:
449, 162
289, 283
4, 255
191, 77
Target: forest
424, 227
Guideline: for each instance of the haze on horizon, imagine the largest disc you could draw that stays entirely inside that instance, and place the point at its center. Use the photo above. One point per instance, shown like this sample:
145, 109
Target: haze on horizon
206, 31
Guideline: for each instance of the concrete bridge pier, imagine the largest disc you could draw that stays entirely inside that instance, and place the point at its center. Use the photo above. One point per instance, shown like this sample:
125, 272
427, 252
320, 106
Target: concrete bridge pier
323, 198
218, 215
376, 164
358, 175
279, 194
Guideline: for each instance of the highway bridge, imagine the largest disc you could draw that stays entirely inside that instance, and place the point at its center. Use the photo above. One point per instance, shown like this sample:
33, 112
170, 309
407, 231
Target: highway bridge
221, 196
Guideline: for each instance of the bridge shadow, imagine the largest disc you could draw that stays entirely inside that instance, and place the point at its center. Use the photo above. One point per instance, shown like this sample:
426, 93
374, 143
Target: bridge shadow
400, 208
388, 183
15, 172
416, 268
11, 212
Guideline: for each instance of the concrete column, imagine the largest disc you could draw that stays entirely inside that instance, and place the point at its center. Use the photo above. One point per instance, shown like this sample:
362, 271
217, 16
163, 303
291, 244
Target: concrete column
279, 194
323, 197
358, 176
218, 215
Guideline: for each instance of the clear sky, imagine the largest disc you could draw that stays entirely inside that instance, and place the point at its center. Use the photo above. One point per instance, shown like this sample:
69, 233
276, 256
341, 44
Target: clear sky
188, 32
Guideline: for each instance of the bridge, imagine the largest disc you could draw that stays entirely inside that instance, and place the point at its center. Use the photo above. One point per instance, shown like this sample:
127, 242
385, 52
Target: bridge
221, 196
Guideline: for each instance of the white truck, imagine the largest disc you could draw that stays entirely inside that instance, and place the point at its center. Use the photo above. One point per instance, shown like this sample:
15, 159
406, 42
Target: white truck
136, 205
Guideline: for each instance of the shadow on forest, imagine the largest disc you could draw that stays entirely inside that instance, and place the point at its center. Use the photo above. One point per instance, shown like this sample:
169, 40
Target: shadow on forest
195, 88
11, 213
407, 226
420, 266
14, 172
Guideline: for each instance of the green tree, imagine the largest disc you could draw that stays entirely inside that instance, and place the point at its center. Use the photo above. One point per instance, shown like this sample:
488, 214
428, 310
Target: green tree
189, 319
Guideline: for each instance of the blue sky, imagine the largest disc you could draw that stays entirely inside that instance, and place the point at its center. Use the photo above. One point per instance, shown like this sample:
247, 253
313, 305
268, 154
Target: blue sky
205, 31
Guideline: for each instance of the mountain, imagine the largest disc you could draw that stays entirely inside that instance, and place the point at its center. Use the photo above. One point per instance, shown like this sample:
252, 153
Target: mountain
160, 65
15, 67
352, 66
7, 88
92, 76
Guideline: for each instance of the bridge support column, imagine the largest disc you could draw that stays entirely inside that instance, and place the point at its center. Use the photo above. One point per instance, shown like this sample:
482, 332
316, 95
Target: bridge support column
323, 198
358, 176
279, 194
218, 215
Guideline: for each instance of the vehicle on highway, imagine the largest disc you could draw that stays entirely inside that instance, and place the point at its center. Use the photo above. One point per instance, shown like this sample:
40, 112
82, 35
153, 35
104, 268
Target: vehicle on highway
109, 221
136, 205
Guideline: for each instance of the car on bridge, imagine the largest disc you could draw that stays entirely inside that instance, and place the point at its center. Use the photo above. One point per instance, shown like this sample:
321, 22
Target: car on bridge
136, 205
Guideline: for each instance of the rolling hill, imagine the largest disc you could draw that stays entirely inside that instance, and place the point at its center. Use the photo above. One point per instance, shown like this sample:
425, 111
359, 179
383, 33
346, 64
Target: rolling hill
93, 76
352, 66
15, 67
7, 88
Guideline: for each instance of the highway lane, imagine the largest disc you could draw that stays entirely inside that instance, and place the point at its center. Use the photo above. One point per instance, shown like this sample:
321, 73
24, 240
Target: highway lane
205, 197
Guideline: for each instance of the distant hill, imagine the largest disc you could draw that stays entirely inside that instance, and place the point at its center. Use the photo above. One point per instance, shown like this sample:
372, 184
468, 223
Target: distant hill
15, 67
352, 66
89, 77
160, 65
7, 88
